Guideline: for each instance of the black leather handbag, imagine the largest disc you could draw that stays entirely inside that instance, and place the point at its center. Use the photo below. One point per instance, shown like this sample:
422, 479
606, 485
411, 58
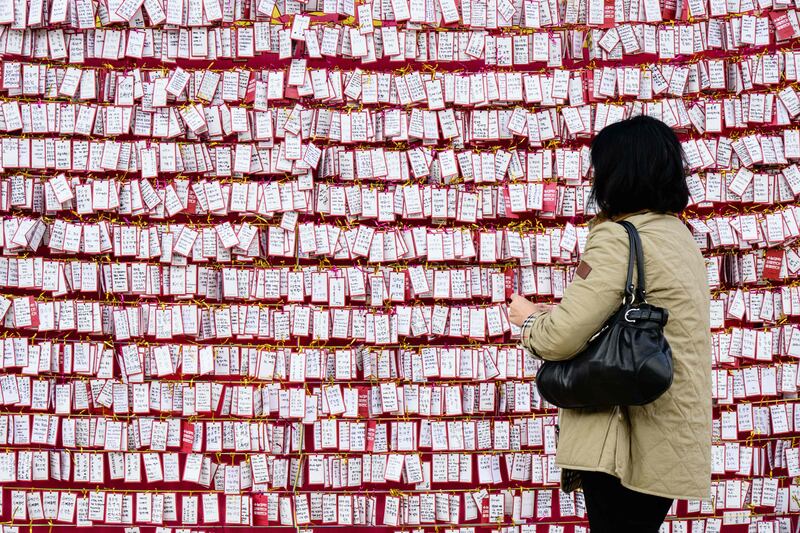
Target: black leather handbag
627, 362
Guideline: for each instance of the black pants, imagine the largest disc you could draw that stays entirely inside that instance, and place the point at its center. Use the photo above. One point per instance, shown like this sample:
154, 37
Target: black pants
613, 508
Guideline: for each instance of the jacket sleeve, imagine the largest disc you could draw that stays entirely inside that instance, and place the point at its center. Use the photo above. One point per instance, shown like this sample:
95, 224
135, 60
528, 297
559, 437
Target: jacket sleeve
588, 303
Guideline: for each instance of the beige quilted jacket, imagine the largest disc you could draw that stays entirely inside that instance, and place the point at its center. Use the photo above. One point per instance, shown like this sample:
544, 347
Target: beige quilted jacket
663, 448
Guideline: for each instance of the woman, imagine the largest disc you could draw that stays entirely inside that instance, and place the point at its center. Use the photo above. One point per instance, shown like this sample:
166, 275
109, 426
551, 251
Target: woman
632, 462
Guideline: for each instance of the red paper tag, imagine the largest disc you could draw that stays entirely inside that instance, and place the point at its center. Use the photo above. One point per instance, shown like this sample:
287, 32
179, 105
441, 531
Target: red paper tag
510, 282
371, 435
187, 437
783, 28
550, 197
191, 203
250, 94
588, 92
608, 14
260, 510
290, 93
485, 510
34, 312
669, 9
772, 264
363, 401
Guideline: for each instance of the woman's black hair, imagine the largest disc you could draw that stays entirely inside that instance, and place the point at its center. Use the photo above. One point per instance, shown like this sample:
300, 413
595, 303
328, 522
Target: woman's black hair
638, 166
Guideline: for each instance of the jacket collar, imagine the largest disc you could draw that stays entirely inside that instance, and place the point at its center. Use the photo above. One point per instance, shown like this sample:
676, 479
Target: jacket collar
643, 213
625, 216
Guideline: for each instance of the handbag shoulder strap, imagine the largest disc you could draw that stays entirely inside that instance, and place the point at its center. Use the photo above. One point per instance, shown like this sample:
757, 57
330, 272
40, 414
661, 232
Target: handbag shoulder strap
636, 255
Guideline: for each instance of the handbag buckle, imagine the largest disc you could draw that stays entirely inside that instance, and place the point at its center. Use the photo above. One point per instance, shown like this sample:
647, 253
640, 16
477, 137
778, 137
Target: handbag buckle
626, 315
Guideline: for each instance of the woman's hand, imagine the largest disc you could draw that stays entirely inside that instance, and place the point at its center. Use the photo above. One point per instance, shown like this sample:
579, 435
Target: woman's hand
521, 308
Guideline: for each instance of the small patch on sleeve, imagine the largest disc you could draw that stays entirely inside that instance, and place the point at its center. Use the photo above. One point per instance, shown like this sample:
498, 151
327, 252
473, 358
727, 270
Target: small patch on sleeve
583, 269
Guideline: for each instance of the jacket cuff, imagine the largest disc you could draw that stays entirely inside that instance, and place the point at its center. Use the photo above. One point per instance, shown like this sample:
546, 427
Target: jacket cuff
525, 332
